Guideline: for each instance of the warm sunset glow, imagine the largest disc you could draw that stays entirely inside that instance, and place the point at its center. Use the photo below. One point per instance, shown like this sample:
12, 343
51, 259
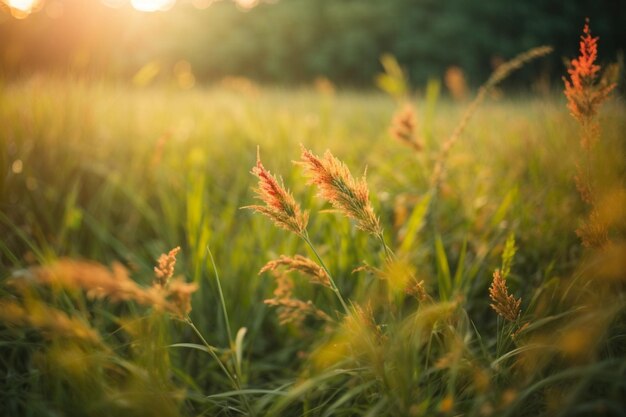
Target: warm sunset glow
114, 3
25, 6
20, 9
152, 5
246, 4
201, 4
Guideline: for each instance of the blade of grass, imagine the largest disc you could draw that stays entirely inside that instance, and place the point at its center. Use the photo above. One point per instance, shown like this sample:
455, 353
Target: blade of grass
444, 280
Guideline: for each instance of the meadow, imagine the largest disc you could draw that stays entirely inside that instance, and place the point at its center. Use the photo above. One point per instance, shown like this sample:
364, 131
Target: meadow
100, 179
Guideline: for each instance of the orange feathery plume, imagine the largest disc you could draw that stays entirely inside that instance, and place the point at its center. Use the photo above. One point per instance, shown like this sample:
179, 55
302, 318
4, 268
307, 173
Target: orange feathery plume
115, 284
165, 267
302, 264
336, 184
504, 304
583, 93
280, 205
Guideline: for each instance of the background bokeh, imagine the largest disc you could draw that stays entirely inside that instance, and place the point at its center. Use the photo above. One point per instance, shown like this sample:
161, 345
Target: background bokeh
295, 41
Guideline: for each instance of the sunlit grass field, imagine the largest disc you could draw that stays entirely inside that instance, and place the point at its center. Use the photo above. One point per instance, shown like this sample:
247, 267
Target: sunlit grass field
113, 173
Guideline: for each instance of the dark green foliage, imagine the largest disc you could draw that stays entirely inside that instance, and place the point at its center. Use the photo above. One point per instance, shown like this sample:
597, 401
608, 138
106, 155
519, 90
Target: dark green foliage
293, 41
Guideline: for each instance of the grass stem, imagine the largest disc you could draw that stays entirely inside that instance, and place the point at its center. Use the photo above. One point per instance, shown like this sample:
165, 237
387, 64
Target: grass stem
333, 285
222, 300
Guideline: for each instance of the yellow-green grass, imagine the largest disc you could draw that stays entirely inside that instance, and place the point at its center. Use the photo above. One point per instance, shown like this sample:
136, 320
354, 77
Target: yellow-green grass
109, 172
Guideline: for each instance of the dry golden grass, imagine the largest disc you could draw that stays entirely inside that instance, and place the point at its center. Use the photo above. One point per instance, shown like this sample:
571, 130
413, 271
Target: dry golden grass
53, 323
289, 308
165, 267
317, 274
115, 284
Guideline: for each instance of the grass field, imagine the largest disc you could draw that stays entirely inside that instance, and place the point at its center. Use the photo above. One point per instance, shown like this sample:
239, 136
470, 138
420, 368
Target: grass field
111, 173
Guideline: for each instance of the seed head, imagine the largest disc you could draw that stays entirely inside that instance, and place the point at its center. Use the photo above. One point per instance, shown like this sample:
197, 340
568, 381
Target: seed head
165, 267
280, 205
584, 93
404, 128
115, 284
417, 289
179, 296
346, 194
594, 233
316, 273
290, 309
504, 304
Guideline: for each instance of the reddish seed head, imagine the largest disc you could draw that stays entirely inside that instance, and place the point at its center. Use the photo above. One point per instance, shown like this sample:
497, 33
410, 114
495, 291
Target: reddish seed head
583, 93
280, 206
345, 193
269, 189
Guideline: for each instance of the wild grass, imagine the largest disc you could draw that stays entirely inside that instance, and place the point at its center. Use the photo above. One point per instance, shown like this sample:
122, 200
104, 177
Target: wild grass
386, 308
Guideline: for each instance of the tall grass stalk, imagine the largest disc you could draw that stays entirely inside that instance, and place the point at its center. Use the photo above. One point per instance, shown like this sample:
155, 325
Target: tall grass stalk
333, 285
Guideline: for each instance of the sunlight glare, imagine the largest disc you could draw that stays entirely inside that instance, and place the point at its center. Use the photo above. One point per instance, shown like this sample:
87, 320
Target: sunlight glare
20, 9
246, 4
152, 5
25, 6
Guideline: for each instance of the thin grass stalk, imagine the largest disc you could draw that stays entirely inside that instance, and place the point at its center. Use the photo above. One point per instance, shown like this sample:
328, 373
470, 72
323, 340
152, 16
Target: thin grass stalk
234, 380
502, 72
231, 341
211, 349
222, 300
388, 252
305, 237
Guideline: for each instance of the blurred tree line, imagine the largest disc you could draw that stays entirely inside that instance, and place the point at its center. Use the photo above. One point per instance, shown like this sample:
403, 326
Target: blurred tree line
294, 41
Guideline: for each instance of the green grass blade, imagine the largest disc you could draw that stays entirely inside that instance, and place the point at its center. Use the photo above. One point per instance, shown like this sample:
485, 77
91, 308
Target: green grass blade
444, 279
415, 224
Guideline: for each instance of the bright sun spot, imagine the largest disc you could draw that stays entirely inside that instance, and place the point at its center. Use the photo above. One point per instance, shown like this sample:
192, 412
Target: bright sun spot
22, 8
152, 5
25, 6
